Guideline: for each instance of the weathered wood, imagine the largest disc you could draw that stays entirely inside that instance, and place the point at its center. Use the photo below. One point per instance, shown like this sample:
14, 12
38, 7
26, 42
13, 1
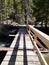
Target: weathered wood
11, 35
24, 56
46, 51
11, 49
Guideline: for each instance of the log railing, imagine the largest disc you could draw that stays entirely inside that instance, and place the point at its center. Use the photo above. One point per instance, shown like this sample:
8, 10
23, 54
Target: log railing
38, 34
34, 34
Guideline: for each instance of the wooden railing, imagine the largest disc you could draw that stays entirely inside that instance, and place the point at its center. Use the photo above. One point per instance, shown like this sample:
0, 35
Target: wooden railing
38, 34
34, 35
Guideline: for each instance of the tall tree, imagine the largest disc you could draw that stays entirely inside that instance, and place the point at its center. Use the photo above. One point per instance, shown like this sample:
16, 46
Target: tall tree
41, 10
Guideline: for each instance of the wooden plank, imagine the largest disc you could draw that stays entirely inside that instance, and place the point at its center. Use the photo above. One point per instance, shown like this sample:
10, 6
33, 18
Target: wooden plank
11, 35
21, 63
11, 49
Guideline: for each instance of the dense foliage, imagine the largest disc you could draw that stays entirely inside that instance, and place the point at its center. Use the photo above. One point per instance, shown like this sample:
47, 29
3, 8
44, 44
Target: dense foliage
18, 10
41, 11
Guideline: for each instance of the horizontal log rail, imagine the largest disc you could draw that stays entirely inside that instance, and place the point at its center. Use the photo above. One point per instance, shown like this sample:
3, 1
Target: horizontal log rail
10, 49
12, 35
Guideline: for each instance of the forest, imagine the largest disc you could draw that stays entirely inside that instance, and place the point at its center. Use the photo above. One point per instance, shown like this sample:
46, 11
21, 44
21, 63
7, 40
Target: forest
25, 11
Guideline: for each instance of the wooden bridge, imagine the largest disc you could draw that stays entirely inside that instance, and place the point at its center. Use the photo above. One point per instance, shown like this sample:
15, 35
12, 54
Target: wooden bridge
24, 47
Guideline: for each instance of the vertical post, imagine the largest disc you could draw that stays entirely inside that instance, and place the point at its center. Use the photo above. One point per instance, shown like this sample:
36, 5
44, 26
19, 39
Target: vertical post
35, 38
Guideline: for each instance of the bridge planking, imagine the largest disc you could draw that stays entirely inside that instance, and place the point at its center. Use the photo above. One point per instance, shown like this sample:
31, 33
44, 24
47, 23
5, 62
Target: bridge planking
18, 56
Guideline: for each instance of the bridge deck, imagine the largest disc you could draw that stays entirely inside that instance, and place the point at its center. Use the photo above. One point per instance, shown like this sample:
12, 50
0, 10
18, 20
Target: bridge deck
24, 54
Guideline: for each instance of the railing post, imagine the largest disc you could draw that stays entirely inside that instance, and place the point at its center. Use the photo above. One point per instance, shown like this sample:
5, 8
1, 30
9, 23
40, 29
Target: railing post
35, 38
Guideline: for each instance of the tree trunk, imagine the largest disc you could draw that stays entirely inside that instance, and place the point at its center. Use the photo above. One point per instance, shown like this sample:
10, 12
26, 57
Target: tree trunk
25, 16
